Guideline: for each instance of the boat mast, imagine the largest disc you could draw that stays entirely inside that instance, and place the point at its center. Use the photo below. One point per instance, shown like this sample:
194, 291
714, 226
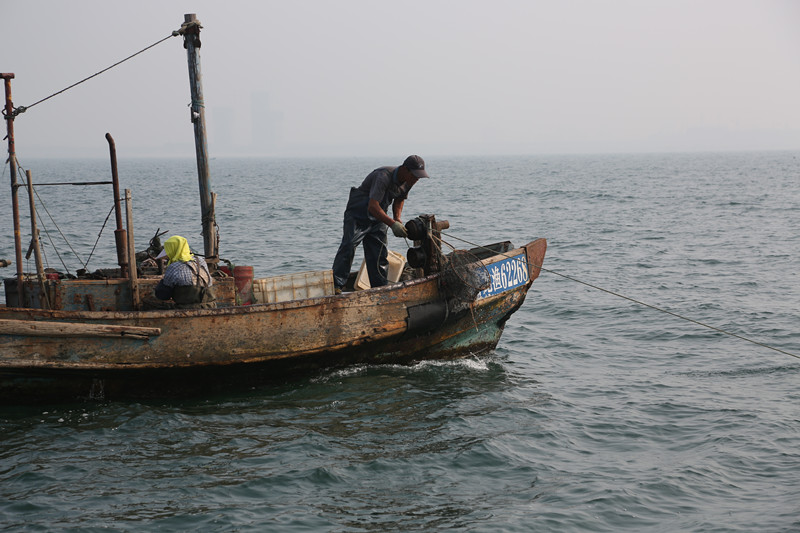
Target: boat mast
190, 30
12, 160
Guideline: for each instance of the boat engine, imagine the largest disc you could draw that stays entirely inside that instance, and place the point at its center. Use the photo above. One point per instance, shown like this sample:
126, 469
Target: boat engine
426, 233
462, 275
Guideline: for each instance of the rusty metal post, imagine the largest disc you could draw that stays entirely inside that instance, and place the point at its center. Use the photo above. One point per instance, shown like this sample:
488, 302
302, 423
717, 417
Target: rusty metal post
8, 112
432, 243
120, 235
37, 249
191, 41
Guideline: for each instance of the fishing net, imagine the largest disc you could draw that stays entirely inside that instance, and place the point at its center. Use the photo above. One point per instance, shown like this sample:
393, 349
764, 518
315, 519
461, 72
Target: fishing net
463, 277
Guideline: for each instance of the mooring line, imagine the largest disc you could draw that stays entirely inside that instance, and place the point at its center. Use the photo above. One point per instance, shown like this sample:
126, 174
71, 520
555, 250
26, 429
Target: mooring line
676, 315
22, 109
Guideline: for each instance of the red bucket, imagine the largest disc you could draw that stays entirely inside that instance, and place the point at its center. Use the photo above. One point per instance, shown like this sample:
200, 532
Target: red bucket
243, 279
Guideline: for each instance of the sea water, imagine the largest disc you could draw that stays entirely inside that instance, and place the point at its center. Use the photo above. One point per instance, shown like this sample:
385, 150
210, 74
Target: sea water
595, 413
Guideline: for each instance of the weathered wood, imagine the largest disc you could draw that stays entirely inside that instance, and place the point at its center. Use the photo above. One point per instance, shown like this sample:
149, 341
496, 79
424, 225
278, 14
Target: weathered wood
36, 246
262, 340
133, 276
35, 328
535, 251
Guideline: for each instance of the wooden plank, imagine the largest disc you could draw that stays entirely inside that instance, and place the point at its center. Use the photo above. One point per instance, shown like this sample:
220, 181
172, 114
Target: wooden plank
34, 328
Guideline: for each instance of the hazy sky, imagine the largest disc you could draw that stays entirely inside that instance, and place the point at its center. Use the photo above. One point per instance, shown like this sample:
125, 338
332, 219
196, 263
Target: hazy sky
433, 77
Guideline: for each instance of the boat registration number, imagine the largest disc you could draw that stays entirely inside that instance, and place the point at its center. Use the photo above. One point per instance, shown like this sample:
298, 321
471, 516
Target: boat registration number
505, 275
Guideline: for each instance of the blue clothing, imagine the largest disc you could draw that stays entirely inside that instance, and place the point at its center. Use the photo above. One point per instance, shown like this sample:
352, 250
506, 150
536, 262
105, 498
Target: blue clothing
359, 226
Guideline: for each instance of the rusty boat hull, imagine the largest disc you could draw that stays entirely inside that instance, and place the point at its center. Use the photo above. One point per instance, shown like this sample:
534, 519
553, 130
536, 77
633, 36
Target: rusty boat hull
47, 354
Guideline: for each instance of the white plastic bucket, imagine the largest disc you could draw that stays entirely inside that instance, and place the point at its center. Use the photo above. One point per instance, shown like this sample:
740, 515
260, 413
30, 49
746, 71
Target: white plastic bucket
396, 264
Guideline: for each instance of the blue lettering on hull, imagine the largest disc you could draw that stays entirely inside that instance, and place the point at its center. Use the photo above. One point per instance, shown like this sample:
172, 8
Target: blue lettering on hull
506, 275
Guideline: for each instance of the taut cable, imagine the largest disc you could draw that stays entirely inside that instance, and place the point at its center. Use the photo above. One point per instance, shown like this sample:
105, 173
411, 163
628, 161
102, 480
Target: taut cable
618, 295
22, 109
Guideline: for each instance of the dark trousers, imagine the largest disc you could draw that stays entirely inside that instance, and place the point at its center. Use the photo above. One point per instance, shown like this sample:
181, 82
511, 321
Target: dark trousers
373, 236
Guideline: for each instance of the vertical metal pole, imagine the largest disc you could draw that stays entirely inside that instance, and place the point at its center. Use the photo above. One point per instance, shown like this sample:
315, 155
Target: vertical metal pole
12, 159
120, 237
191, 35
37, 249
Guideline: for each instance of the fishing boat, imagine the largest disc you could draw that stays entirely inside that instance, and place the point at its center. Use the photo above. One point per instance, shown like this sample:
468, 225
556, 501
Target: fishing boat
91, 335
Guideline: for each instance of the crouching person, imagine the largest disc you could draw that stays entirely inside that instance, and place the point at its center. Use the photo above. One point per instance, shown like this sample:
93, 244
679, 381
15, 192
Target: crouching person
186, 280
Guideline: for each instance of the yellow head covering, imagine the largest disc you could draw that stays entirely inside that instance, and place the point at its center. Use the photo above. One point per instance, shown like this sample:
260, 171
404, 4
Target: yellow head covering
177, 249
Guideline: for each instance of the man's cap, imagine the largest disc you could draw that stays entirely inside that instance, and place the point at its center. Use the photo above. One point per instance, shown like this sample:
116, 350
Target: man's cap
162, 254
416, 165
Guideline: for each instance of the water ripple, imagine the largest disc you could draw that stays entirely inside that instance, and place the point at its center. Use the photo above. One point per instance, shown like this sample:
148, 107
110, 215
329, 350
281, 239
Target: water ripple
593, 414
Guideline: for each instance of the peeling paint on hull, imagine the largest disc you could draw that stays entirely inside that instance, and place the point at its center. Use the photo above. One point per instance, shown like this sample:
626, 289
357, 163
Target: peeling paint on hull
198, 351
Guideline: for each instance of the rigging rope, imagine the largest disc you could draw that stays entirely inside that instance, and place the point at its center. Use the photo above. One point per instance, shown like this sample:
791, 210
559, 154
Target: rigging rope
84, 264
719, 330
98, 236
21, 173
22, 109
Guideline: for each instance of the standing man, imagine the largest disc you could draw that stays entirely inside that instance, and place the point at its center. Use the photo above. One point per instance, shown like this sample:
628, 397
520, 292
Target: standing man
365, 219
